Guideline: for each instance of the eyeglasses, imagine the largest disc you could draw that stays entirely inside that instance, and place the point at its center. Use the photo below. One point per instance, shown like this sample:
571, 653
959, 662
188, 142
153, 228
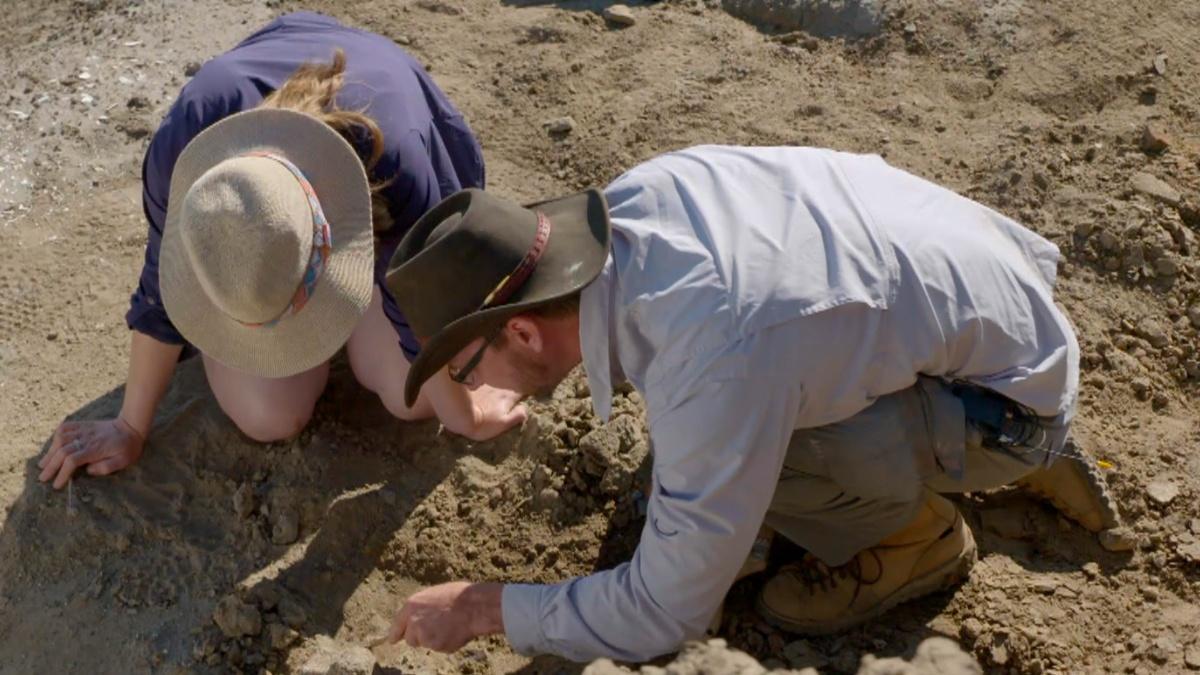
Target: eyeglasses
460, 375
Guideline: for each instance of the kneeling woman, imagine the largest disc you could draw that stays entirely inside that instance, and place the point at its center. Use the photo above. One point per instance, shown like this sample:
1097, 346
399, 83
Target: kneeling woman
276, 190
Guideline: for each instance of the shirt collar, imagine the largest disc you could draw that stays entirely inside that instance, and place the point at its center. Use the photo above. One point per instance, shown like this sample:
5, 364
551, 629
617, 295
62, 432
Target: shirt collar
596, 340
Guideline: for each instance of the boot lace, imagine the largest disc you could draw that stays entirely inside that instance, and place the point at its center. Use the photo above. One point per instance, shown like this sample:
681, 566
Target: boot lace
815, 574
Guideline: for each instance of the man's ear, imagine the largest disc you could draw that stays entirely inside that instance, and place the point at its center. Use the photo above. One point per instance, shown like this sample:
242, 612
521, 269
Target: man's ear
525, 331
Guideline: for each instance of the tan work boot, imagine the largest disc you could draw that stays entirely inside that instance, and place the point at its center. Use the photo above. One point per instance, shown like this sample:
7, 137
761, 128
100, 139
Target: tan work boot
935, 551
1074, 486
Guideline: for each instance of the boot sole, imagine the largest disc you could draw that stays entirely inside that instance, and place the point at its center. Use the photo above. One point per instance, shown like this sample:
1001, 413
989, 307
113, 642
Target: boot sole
1083, 468
951, 574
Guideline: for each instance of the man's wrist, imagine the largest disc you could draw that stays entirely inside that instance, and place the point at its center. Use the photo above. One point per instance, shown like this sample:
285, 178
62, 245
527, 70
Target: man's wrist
484, 606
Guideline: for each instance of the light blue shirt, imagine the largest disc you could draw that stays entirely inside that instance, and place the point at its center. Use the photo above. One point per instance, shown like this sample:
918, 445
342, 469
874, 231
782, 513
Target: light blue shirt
751, 292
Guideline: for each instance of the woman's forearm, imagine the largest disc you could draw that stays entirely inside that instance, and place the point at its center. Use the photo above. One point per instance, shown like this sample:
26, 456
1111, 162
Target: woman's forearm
151, 364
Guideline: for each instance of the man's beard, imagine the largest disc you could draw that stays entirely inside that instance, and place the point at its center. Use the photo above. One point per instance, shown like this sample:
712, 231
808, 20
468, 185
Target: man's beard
535, 377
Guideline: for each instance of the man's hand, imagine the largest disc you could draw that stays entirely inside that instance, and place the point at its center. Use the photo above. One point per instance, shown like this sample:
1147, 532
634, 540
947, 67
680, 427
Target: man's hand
494, 412
446, 617
103, 446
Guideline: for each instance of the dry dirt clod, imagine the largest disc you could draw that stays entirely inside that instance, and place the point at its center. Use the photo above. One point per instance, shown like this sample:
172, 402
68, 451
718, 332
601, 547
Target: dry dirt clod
1162, 492
1154, 332
1160, 64
1155, 188
1154, 139
1190, 552
243, 501
1118, 539
285, 525
935, 656
605, 667
560, 125
801, 654
291, 612
1044, 586
236, 618
620, 15
281, 637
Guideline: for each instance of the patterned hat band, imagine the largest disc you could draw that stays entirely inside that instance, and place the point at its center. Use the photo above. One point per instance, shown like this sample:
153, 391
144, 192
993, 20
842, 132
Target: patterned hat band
322, 244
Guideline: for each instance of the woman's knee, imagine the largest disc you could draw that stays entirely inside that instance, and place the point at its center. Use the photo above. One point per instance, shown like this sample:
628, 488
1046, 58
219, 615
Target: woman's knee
267, 424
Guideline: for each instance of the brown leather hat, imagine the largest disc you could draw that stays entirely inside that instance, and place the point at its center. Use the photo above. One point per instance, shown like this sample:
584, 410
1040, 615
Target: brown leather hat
475, 260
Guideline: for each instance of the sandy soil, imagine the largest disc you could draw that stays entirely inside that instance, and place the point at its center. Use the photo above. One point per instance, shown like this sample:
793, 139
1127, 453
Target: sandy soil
1037, 108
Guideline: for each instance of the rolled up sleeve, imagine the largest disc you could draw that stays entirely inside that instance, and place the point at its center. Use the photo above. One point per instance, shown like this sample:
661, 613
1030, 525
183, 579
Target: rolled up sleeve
718, 453
202, 102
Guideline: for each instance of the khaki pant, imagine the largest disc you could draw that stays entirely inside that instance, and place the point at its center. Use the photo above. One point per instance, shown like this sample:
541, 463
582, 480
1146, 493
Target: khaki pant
847, 486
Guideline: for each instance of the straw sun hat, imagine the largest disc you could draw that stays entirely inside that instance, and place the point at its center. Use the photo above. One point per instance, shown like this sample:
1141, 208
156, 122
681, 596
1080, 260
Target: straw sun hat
267, 254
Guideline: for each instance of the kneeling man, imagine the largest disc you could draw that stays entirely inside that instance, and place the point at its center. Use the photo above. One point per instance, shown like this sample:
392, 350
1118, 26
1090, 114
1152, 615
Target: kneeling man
825, 344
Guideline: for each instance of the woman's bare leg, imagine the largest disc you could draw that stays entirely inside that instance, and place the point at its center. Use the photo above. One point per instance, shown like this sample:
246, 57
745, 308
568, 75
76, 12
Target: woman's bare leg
266, 409
379, 363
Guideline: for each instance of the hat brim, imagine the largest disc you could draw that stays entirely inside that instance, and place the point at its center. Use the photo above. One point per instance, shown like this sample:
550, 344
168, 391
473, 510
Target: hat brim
575, 253
308, 338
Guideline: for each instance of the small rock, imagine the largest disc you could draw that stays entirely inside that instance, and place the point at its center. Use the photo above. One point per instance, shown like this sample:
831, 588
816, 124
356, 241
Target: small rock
291, 612
605, 667
935, 656
1141, 387
335, 658
236, 618
1154, 333
243, 501
1166, 266
285, 528
87, 99
560, 125
1092, 570
267, 595
1155, 188
191, 68
620, 15
1044, 586
1193, 315
910, 29
137, 103
1160, 64
801, 654
281, 637
548, 499
1192, 657
1162, 492
439, 7
1190, 552
1154, 139
943, 656
1118, 539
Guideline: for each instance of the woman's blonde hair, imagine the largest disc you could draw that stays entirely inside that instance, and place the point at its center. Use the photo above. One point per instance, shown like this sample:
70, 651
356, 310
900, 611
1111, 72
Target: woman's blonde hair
311, 90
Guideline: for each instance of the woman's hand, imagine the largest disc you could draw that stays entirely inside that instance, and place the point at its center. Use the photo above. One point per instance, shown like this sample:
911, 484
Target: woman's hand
103, 446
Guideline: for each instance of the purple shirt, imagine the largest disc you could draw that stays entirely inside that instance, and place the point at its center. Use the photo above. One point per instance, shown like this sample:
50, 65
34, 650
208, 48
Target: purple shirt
429, 152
